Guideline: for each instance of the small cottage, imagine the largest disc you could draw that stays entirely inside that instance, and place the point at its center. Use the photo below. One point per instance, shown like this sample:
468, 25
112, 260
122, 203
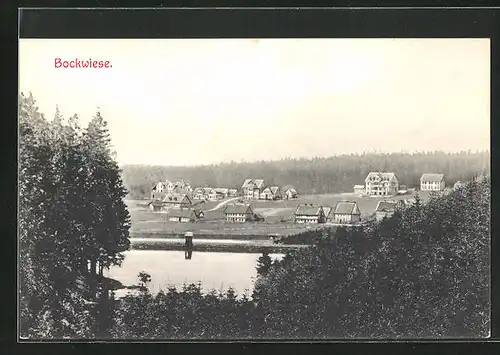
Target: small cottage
238, 213
232, 192
289, 193
221, 193
386, 209
266, 194
174, 200
181, 215
275, 190
432, 182
309, 214
346, 212
198, 194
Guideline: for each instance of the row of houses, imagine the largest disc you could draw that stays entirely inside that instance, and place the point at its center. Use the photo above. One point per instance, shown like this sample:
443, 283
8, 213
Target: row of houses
346, 212
252, 189
213, 194
387, 184
255, 189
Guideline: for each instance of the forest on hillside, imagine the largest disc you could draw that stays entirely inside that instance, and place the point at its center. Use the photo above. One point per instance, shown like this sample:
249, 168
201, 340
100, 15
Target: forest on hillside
313, 176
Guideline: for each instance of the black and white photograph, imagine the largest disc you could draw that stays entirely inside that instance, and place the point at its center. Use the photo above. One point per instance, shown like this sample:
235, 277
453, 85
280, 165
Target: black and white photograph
254, 188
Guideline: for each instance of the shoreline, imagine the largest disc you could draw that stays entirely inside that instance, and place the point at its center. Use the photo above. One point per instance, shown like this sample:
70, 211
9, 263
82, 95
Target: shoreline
212, 245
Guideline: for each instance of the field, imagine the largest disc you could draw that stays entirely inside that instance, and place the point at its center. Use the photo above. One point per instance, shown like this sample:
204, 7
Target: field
278, 218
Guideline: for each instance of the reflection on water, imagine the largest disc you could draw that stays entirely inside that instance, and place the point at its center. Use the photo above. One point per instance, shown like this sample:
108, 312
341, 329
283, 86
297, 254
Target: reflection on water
171, 268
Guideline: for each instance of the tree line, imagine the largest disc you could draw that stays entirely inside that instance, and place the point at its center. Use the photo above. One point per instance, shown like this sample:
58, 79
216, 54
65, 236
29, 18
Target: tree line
422, 273
313, 176
73, 222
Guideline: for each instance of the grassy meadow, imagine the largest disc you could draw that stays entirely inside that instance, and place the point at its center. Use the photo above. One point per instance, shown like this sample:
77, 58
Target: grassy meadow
278, 217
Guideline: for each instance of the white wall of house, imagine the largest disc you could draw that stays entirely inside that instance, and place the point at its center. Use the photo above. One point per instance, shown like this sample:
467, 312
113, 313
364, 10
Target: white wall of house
236, 217
432, 185
306, 219
345, 218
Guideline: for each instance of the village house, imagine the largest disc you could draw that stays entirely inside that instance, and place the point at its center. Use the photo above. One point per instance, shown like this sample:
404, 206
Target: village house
221, 193
205, 193
309, 214
232, 192
271, 193
155, 205
386, 208
162, 188
346, 212
182, 184
198, 194
173, 200
432, 182
158, 191
359, 190
210, 194
238, 213
252, 188
381, 184
289, 193
275, 190
182, 215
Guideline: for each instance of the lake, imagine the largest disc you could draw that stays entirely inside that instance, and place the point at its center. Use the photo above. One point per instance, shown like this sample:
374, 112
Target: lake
215, 270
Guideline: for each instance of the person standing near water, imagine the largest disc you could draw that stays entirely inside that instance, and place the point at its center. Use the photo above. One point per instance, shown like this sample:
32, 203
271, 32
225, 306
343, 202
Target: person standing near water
188, 245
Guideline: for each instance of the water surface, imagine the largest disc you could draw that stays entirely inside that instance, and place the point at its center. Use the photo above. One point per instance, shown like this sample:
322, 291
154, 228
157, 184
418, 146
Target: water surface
215, 270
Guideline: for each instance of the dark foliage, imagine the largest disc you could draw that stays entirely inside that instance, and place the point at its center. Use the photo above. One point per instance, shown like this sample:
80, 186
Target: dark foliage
72, 222
422, 273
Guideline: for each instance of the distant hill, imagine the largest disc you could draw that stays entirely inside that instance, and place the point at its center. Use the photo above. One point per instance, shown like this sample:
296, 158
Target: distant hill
313, 176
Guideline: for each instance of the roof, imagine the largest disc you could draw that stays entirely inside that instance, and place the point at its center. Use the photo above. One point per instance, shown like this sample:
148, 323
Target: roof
359, 186
431, 177
383, 176
259, 183
233, 190
305, 210
175, 197
291, 189
181, 213
386, 206
275, 189
221, 190
180, 190
247, 183
238, 209
250, 182
346, 207
207, 190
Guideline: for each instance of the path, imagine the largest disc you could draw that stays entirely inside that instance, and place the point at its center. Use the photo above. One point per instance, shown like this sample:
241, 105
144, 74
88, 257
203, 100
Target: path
223, 203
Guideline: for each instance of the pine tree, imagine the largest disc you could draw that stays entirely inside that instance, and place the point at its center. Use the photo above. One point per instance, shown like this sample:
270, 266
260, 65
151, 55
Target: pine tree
105, 192
264, 263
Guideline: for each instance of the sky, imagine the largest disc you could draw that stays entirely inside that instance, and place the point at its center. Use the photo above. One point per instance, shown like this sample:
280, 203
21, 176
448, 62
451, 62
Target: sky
205, 101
